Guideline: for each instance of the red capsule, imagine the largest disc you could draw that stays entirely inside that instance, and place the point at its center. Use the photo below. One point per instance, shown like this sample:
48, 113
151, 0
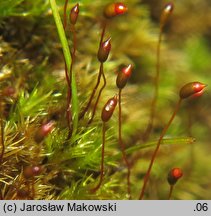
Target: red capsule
30, 171
108, 109
114, 9
74, 14
174, 175
123, 76
194, 89
9, 91
104, 50
167, 11
43, 131
36, 170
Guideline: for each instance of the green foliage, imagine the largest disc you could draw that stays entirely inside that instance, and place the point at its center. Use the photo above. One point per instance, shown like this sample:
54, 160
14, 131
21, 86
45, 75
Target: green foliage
71, 165
32, 104
21, 8
8, 8
198, 54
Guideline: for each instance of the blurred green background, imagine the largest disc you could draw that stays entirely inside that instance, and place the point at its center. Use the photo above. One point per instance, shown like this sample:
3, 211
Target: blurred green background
31, 61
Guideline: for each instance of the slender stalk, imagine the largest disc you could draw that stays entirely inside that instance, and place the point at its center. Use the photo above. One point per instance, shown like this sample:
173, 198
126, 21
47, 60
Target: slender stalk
98, 97
71, 73
65, 14
68, 61
156, 91
192, 155
2, 133
61, 33
139, 146
68, 79
103, 31
93, 92
74, 104
122, 146
102, 160
99, 75
74, 42
147, 175
170, 191
68, 112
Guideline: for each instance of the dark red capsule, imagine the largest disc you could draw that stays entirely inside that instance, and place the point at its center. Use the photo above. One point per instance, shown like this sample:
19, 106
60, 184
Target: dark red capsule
108, 109
123, 76
36, 170
74, 14
174, 175
9, 91
30, 171
114, 9
104, 50
194, 89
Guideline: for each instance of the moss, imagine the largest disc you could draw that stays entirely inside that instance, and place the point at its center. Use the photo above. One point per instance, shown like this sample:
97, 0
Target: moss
33, 92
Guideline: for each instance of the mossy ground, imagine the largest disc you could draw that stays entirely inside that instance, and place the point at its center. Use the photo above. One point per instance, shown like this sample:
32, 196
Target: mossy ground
32, 64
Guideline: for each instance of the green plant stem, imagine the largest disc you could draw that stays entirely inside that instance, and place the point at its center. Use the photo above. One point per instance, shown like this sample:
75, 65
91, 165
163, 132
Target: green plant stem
170, 191
137, 147
68, 79
68, 112
74, 41
188, 140
192, 155
65, 14
99, 94
68, 61
156, 91
102, 160
147, 175
122, 146
71, 72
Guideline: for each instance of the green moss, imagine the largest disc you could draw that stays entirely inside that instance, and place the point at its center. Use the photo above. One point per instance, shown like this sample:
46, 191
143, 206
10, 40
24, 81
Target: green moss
32, 65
